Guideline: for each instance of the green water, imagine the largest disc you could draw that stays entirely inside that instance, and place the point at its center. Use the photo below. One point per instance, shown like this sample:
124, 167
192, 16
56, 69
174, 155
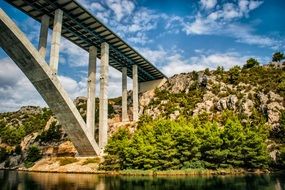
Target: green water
13, 180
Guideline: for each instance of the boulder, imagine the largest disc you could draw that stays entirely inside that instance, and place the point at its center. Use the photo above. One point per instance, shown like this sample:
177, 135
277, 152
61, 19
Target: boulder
231, 102
66, 149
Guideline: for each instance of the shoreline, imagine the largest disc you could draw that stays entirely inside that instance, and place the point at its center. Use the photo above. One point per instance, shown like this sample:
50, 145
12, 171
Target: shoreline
152, 173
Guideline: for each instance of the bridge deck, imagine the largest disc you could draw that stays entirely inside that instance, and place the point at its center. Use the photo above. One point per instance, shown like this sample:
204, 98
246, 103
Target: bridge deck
84, 29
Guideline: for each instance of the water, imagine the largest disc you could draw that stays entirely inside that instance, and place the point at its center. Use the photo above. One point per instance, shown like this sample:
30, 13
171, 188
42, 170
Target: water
13, 180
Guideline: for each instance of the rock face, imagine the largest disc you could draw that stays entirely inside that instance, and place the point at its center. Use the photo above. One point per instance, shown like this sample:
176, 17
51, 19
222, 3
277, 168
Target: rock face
215, 96
66, 149
33, 110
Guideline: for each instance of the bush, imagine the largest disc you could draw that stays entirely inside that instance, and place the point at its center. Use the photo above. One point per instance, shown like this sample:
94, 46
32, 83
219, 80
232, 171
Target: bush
18, 149
234, 74
3, 154
67, 160
91, 161
34, 154
280, 161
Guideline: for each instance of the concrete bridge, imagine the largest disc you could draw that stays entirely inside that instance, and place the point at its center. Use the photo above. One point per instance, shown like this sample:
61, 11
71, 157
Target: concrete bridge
69, 19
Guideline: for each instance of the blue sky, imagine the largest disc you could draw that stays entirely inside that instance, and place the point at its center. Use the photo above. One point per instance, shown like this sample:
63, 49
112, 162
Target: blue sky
177, 36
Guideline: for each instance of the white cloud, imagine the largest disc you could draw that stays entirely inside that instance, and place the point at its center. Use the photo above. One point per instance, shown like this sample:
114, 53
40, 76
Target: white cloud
121, 8
244, 34
208, 4
15, 89
223, 21
172, 62
72, 54
128, 21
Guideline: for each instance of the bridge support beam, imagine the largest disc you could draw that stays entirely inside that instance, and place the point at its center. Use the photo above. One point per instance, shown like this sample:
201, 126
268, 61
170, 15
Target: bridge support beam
125, 116
91, 87
103, 105
135, 94
55, 41
43, 35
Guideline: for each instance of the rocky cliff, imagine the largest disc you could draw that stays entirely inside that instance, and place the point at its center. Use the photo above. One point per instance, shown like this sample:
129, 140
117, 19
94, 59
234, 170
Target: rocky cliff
255, 93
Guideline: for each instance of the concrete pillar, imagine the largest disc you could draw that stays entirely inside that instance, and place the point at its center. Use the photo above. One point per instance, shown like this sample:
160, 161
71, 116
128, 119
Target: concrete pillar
55, 40
91, 87
125, 116
135, 93
43, 35
103, 104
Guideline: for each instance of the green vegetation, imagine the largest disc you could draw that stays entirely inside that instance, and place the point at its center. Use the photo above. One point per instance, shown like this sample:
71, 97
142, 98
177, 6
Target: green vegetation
251, 63
163, 144
95, 160
278, 133
265, 78
12, 133
3, 154
52, 134
179, 101
278, 56
67, 160
34, 154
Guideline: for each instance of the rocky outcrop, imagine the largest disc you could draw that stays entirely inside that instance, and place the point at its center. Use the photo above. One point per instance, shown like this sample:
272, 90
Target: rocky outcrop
242, 98
66, 149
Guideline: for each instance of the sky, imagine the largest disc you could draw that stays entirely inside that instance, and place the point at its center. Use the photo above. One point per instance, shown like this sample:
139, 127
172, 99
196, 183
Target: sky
176, 36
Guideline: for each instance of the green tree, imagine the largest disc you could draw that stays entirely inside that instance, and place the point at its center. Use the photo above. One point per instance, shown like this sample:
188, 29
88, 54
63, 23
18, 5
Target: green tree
278, 56
251, 63
52, 134
164, 144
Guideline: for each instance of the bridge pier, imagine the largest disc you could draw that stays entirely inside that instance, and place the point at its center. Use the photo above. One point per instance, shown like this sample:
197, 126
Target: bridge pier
103, 104
125, 116
91, 87
55, 41
135, 93
43, 35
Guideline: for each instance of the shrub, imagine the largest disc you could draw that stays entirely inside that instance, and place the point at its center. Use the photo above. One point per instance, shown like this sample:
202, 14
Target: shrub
234, 74
18, 149
95, 160
67, 160
280, 157
33, 155
3, 154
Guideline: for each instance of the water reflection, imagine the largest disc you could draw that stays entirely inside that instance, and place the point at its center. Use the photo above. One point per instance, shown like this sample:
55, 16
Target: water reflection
12, 180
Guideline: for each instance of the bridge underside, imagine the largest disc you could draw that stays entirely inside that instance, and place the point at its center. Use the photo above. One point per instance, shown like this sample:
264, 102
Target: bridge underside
33, 65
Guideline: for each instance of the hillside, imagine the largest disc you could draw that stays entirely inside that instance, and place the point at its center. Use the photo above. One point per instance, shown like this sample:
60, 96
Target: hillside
241, 99
255, 94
